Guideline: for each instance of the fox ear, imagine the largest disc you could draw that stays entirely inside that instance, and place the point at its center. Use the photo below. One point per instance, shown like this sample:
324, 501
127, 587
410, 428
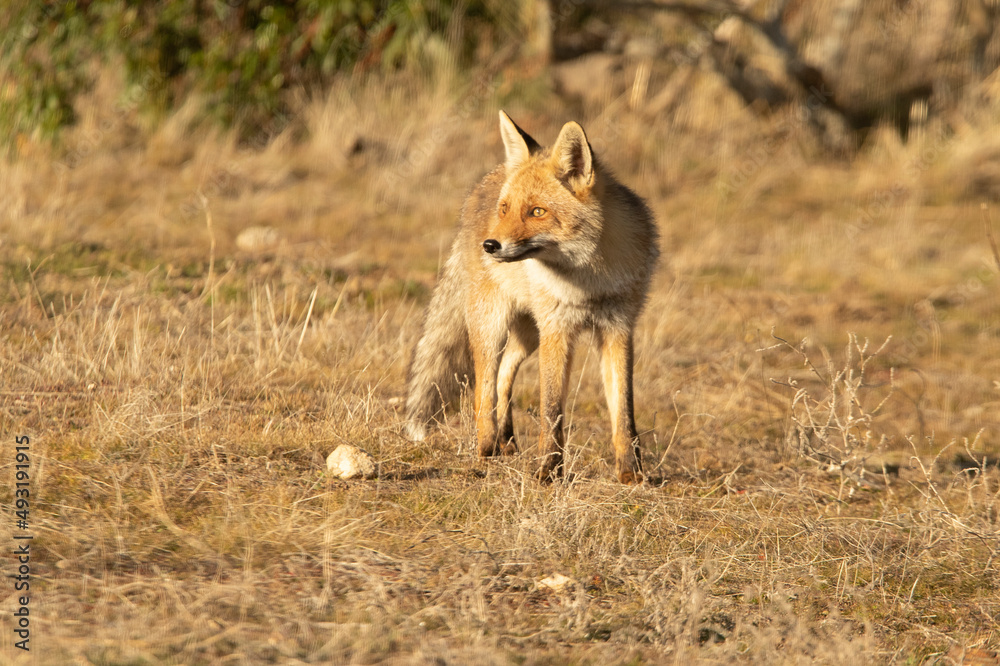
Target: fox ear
518, 143
573, 158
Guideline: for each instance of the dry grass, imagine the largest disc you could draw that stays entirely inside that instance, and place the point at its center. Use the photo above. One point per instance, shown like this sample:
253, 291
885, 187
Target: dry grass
814, 501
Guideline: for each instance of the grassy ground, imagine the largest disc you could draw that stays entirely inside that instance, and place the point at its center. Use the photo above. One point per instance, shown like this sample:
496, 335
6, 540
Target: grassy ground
817, 386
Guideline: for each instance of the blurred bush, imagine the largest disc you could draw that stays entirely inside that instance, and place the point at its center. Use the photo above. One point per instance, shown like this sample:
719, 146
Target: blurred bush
241, 58
241, 61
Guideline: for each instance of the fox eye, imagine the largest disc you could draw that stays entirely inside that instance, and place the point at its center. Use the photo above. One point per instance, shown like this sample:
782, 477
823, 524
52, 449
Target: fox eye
537, 211
503, 209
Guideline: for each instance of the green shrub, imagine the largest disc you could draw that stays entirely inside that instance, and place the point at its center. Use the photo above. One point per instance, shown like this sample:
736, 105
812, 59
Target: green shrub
241, 57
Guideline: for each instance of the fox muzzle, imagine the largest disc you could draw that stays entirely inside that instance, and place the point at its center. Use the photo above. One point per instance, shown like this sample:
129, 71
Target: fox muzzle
511, 251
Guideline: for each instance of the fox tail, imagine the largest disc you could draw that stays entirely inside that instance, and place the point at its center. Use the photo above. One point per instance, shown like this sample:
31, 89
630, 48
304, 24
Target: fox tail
443, 358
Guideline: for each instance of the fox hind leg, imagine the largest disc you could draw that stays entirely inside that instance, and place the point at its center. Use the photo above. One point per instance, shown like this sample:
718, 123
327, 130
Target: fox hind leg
616, 371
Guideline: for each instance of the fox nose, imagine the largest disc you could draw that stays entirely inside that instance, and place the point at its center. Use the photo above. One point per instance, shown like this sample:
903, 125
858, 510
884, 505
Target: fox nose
491, 245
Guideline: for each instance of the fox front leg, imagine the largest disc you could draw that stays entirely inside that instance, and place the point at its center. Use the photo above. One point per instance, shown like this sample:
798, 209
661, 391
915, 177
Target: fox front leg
521, 343
555, 357
487, 350
616, 371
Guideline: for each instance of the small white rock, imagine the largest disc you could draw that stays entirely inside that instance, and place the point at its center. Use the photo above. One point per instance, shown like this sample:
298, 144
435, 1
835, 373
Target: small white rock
556, 582
350, 462
257, 239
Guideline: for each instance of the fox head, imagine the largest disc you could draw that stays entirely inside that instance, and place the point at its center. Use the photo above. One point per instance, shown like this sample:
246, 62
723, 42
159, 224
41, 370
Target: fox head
548, 207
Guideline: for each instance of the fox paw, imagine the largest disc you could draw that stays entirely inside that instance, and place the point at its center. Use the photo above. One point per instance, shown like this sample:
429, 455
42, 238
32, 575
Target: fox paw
551, 469
629, 471
628, 465
632, 477
502, 447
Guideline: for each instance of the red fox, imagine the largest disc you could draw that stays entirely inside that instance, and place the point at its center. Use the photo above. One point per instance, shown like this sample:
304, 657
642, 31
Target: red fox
549, 244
